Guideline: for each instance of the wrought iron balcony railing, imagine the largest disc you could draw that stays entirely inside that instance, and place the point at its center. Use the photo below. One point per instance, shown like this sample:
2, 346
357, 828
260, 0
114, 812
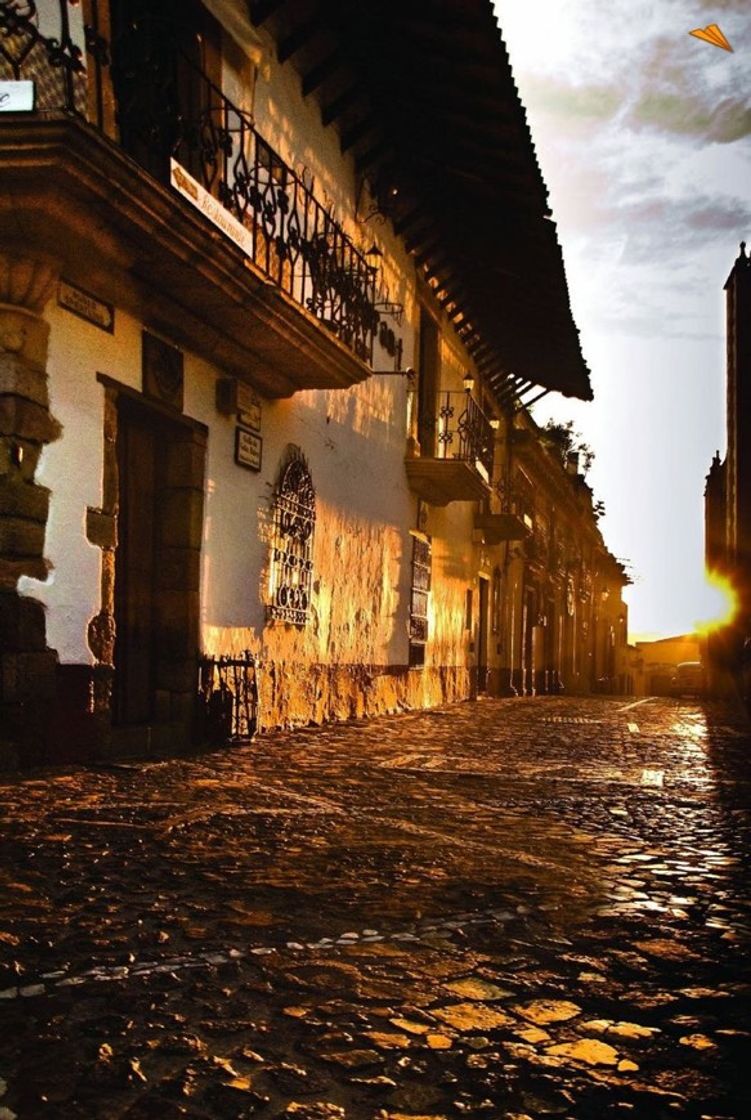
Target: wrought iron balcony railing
463, 431
175, 112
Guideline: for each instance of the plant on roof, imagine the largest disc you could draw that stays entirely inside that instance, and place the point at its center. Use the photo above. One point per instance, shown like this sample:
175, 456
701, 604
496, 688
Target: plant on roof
567, 441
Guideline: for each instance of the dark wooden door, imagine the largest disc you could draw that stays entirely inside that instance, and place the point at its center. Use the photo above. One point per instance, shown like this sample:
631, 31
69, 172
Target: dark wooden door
482, 639
529, 617
135, 564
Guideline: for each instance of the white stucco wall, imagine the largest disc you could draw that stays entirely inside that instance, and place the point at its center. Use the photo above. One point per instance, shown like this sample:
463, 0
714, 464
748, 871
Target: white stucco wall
354, 442
72, 469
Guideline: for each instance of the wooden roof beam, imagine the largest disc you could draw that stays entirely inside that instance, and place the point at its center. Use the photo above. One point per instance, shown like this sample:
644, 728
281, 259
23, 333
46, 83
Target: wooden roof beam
443, 260
371, 156
403, 224
297, 39
334, 109
260, 10
318, 74
358, 131
451, 295
425, 239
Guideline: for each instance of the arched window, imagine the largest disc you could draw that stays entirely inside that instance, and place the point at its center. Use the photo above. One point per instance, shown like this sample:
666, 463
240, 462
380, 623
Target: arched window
294, 518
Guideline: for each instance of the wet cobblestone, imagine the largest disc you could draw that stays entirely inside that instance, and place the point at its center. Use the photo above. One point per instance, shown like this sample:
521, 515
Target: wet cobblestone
506, 909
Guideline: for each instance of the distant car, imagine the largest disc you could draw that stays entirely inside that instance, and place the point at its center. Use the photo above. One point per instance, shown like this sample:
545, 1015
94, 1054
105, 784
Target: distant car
689, 679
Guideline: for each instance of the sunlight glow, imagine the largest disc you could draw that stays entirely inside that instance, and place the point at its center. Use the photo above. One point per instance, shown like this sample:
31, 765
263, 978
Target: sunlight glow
724, 599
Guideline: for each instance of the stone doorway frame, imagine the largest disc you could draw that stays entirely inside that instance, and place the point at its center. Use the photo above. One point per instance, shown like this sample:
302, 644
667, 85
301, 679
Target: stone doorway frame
180, 539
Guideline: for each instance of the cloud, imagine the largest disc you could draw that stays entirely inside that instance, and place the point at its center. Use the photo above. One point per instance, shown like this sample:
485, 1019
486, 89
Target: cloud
669, 112
675, 92
566, 99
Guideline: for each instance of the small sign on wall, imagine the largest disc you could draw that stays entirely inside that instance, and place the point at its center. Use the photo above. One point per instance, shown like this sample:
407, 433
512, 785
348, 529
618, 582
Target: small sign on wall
248, 449
248, 408
235, 398
16, 97
86, 306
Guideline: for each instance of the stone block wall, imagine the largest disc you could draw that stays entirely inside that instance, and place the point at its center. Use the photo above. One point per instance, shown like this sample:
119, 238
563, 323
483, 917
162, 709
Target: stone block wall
27, 667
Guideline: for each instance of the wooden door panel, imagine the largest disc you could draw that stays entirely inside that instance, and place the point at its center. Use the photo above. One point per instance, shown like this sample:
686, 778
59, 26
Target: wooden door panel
135, 568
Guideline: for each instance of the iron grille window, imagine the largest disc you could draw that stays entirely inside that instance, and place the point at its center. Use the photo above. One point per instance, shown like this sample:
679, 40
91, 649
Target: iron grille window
294, 517
419, 600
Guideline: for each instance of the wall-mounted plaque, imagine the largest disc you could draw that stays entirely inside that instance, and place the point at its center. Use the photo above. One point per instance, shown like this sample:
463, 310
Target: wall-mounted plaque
248, 408
235, 398
16, 97
162, 368
248, 449
86, 306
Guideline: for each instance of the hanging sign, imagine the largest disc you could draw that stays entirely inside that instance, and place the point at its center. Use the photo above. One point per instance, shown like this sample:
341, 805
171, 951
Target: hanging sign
211, 207
16, 97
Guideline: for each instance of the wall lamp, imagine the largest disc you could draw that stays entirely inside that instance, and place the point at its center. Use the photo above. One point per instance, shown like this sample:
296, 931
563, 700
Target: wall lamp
468, 382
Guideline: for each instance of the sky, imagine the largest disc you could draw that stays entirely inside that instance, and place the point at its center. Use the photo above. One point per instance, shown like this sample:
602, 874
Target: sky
643, 134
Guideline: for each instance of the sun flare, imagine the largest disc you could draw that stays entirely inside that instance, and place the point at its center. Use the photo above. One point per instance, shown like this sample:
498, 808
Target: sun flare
723, 600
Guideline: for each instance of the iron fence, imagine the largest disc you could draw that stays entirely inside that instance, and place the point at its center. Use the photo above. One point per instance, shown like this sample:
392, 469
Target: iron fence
228, 698
463, 431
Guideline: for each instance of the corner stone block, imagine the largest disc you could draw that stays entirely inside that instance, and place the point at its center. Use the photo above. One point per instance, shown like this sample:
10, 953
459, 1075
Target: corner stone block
20, 538
21, 380
22, 624
9, 464
24, 336
27, 420
12, 569
23, 499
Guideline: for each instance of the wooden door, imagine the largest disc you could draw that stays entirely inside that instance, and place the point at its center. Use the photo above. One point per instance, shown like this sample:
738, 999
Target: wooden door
135, 564
482, 639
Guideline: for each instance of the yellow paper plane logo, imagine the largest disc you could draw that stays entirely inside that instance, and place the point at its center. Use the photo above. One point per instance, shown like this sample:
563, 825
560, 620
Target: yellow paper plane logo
712, 34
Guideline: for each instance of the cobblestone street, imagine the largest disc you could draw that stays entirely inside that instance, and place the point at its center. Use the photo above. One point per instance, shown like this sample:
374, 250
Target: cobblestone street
505, 909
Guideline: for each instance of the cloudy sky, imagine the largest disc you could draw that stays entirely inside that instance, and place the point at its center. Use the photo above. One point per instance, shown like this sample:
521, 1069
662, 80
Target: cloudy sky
643, 133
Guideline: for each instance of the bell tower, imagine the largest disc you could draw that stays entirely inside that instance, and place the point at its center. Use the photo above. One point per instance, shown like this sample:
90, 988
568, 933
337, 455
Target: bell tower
738, 471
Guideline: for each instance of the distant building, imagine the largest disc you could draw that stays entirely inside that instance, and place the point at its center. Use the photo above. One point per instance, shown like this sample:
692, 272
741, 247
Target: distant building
727, 493
655, 663
274, 293
564, 623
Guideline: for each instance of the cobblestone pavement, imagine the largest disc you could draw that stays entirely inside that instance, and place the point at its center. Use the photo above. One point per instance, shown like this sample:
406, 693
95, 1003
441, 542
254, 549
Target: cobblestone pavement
503, 909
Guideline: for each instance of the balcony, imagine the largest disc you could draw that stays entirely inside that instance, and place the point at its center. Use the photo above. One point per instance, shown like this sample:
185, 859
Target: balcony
189, 220
461, 466
499, 527
537, 551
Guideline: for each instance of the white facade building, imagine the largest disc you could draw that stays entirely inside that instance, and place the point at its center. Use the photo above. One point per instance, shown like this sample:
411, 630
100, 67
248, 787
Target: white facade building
251, 352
